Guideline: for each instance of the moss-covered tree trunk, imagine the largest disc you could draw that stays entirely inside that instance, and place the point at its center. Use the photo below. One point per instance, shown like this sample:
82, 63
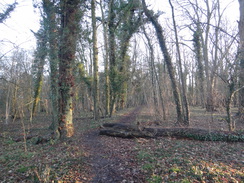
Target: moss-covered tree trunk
69, 30
129, 26
52, 32
40, 55
112, 58
168, 61
200, 74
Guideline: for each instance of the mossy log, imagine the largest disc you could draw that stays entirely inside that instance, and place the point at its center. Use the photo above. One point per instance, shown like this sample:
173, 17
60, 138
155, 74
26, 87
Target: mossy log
135, 131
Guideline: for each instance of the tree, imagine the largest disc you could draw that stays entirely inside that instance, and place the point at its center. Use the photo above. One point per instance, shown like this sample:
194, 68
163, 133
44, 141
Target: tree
106, 62
40, 56
95, 61
168, 61
112, 59
183, 82
200, 68
6, 13
51, 28
154, 76
68, 36
130, 22
124, 19
241, 56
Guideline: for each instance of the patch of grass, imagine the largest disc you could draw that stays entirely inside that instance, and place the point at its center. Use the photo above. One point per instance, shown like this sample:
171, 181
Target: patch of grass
175, 169
143, 155
27, 155
185, 180
155, 179
9, 142
148, 167
24, 169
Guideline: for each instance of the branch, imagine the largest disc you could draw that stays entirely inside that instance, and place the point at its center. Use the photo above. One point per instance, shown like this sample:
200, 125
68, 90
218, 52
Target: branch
5, 15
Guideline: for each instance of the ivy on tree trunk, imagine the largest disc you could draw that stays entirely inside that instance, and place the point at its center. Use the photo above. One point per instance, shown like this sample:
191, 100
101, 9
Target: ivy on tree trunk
69, 31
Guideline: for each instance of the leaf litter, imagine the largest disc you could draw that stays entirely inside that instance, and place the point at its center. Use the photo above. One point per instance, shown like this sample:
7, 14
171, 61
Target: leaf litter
88, 157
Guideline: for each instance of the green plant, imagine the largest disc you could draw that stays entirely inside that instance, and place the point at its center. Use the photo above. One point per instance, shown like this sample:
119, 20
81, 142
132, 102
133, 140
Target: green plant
142, 155
147, 166
23, 169
185, 180
155, 179
9, 142
175, 169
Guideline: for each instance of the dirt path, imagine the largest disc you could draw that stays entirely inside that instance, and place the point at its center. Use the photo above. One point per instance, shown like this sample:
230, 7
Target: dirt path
112, 160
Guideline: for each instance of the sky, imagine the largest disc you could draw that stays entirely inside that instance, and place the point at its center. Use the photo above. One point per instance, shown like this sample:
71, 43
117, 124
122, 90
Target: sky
15, 31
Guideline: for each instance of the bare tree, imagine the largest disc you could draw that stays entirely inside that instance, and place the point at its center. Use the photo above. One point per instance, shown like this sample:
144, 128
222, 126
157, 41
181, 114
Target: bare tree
168, 61
183, 82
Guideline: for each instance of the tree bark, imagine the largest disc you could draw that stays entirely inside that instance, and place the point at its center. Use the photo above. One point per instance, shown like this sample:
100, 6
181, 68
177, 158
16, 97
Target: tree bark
200, 68
134, 131
106, 69
69, 32
40, 55
168, 61
130, 25
95, 62
112, 59
209, 91
241, 57
52, 30
183, 82
153, 72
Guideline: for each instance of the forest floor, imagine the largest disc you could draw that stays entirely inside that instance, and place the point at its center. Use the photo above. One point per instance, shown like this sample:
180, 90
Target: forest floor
91, 158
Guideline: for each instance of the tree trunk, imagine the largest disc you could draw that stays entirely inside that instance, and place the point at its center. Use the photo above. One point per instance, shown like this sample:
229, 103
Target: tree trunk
209, 91
107, 96
95, 62
241, 57
200, 68
69, 32
134, 131
112, 59
153, 72
168, 61
183, 82
40, 56
52, 29
7, 105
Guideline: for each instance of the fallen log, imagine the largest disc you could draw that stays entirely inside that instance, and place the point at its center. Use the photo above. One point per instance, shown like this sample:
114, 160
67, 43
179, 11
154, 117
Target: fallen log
135, 131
